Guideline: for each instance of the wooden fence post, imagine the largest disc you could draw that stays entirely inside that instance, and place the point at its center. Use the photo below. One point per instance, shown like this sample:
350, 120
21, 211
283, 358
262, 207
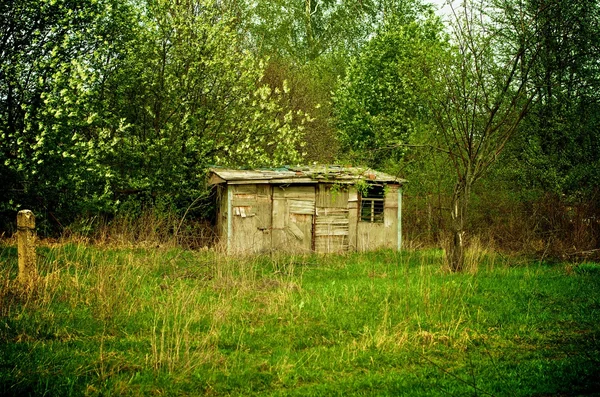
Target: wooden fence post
26, 247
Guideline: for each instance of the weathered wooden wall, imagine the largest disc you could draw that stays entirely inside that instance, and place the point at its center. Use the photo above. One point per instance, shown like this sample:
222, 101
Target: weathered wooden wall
222, 216
332, 219
293, 212
301, 218
371, 236
251, 208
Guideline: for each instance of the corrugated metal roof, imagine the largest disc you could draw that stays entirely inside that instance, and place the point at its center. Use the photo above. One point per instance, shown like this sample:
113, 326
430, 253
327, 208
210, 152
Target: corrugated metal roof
312, 174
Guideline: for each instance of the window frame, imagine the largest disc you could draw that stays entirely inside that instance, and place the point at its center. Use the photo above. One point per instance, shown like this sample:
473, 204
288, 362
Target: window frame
369, 201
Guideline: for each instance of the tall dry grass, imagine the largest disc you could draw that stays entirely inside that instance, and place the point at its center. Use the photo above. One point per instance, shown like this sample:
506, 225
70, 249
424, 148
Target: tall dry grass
546, 226
147, 228
181, 302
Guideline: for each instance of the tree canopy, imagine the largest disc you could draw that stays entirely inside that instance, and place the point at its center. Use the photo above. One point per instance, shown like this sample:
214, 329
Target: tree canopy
110, 102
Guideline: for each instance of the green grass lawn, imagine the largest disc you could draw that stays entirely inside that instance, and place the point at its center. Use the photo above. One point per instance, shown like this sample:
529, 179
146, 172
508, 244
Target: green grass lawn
174, 322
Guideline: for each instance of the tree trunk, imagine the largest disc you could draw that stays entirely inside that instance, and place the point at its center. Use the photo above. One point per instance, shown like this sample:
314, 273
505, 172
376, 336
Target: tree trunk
456, 251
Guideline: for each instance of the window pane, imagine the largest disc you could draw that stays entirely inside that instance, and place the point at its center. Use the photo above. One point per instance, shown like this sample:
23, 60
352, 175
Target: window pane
371, 205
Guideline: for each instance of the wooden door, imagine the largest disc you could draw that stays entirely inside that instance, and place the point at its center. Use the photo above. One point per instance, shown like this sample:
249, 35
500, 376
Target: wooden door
332, 224
293, 211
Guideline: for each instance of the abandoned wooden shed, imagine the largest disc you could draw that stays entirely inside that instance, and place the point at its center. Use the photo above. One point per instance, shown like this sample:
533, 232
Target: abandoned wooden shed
321, 209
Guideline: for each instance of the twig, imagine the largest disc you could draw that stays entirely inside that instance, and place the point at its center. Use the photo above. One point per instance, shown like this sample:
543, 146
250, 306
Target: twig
186, 212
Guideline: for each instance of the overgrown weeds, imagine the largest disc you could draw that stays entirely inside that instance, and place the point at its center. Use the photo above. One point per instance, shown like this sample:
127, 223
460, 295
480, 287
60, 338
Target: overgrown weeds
154, 227
134, 321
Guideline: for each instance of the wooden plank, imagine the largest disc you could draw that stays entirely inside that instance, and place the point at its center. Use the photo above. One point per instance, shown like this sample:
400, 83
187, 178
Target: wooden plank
391, 197
293, 209
306, 207
289, 181
324, 211
215, 180
332, 196
301, 218
297, 192
263, 190
296, 231
279, 240
245, 182
244, 189
331, 228
279, 213
247, 238
222, 213
331, 222
295, 237
331, 244
352, 195
322, 224
263, 213
372, 236
352, 224
244, 211
244, 199
390, 217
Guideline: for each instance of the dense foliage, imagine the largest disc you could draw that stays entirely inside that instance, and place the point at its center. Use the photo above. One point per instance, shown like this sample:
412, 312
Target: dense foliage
380, 102
103, 100
107, 104
559, 149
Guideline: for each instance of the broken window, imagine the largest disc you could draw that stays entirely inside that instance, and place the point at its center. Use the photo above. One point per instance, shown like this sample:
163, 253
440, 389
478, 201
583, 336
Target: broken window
371, 204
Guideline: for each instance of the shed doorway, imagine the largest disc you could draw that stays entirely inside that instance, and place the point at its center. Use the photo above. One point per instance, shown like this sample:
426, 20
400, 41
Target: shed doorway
332, 223
293, 214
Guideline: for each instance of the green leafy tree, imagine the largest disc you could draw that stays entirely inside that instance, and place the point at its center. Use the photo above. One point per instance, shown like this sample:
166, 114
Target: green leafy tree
116, 98
191, 96
475, 90
380, 103
43, 44
480, 95
310, 43
559, 151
